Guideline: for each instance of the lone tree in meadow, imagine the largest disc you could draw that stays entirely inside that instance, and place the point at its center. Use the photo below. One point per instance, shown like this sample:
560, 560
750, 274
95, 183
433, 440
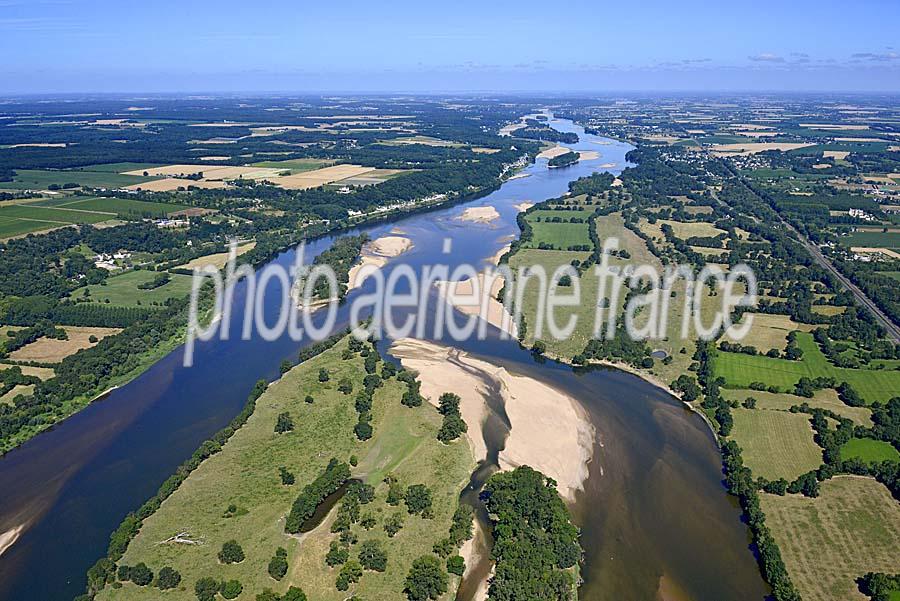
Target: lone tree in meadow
231, 552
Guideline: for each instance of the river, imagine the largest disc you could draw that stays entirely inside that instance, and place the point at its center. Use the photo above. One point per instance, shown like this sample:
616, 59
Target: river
653, 510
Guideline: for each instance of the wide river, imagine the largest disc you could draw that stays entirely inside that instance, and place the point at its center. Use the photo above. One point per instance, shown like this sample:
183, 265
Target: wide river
656, 520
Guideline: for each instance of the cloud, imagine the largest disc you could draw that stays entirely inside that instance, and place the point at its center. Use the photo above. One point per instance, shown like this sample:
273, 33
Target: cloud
766, 57
799, 55
875, 56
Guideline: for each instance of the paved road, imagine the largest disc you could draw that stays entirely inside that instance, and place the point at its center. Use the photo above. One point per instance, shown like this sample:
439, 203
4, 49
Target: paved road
892, 330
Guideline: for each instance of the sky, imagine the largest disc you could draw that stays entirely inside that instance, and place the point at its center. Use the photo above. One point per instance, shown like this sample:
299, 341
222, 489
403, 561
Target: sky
62, 46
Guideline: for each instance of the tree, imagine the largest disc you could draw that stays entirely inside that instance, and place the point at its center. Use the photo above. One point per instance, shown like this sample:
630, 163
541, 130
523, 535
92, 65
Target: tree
372, 556
337, 554
456, 565
231, 552
231, 589
278, 565
286, 366
141, 575
448, 404
539, 347
363, 430
350, 573
345, 386
168, 578
418, 498
206, 589
294, 594
451, 429
323, 375
426, 579
309, 399
284, 423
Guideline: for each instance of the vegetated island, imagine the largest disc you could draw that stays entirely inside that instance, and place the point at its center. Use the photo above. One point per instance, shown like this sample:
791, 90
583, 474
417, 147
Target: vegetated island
564, 160
338, 481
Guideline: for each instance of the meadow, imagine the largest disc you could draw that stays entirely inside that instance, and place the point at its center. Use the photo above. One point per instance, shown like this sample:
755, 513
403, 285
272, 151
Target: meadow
246, 474
776, 444
869, 450
827, 542
122, 290
41, 179
740, 370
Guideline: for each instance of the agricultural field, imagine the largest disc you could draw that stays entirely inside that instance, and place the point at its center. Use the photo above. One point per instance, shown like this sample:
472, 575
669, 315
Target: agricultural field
51, 350
295, 166
42, 179
740, 370
874, 239
559, 235
852, 528
217, 259
769, 331
869, 450
822, 399
122, 290
122, 208
776, 444
245, 474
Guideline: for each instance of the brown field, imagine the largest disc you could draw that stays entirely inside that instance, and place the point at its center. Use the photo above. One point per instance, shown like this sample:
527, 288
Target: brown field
876, 250
853, 527
44, 373
49, 350
7, 399
320, 177
686, 229
837, 126
745, 148
828, 309
768, 331
218, 259
822, 399
838, 155
169, 184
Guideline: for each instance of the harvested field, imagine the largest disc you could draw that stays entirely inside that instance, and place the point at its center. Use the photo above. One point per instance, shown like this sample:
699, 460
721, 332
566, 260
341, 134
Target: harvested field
25, 389
776, 444
170, 184
218, 259
755, 147
686, 229
320, 177
838, 155
769, 331
822, 399
853, 527
49, 350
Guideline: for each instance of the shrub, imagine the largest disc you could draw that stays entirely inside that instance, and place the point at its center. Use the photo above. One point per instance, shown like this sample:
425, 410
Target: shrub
284, 423
456, 565
141, 575
418, 498
350, 573
206, 589
231, 589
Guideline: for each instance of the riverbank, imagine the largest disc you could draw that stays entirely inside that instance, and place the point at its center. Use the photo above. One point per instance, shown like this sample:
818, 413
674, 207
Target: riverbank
548, 430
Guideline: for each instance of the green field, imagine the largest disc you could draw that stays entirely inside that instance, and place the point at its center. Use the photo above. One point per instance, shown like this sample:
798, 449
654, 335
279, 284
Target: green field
776, 444
16, 227
294, 165
874, 239
558, 235
124, 208
822, 399
245, 473
122, 290
740, 370
41, 179
869, 450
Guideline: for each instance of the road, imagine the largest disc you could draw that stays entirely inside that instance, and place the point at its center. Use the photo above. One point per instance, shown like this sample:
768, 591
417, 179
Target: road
892, 330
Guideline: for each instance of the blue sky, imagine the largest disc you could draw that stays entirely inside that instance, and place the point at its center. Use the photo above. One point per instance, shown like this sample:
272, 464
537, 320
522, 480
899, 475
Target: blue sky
297, 45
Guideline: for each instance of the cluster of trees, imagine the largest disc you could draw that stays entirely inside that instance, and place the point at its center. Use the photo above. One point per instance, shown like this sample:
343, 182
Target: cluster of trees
880, 587
207, 588
564, 160
453, 425
535, 543
619, 348
329, 481
595, 184
340, 257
